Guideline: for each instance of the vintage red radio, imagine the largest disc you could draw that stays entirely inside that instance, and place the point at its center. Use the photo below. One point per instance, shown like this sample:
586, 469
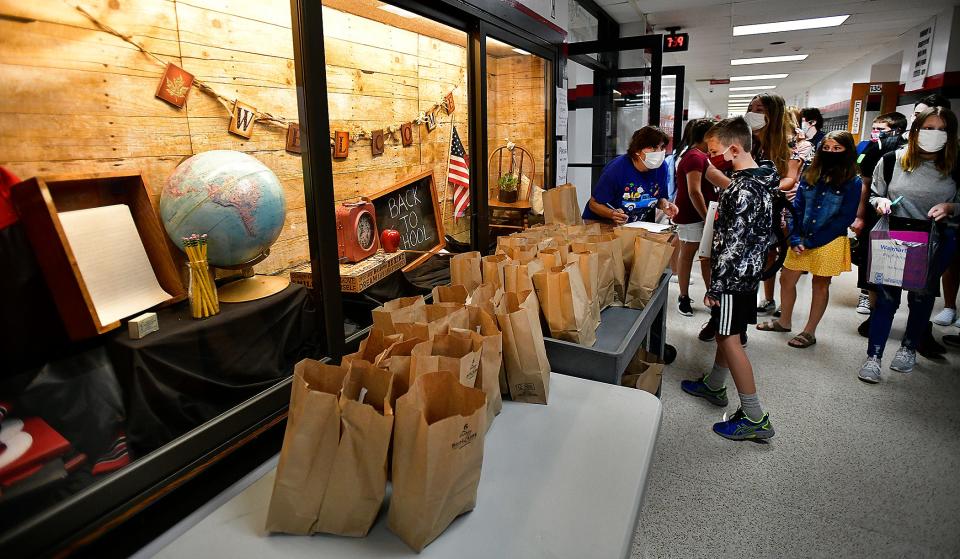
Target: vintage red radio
356, 231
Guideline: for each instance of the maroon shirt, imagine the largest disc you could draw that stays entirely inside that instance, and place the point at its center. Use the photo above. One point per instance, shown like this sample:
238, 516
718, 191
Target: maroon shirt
692, 160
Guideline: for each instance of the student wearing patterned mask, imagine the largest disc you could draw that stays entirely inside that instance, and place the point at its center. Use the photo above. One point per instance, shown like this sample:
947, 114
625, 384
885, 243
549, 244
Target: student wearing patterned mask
634, 185
773, 133
825, 206
922, 185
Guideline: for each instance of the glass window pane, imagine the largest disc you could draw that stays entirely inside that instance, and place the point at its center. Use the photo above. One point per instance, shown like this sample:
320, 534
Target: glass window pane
516, 133
391, 72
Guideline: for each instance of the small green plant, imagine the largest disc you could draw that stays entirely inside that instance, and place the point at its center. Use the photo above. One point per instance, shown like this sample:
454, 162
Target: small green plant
508, 183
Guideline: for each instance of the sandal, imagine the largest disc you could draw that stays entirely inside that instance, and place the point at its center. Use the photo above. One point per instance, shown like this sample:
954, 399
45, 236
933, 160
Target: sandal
771, 326
802, 340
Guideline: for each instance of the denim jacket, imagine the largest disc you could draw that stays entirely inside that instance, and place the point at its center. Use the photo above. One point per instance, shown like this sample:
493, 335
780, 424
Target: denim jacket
822, 212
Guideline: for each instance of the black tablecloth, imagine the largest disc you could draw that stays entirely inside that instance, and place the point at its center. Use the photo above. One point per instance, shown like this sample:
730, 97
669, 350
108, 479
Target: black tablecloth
193, 370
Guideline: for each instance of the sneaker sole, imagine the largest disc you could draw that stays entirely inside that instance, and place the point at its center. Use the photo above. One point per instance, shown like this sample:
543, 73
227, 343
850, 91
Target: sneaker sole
863, 311
762, 435
942, 323
868, 380
682, 313
715, 401
903, 370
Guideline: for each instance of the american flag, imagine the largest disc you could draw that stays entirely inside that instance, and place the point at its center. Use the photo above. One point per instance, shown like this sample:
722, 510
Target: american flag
459, 175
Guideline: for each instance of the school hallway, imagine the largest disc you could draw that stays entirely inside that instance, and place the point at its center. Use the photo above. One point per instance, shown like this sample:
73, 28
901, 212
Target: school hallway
855, 470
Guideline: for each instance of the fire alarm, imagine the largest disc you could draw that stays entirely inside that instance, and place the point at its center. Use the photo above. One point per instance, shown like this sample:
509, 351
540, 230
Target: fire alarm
356, 231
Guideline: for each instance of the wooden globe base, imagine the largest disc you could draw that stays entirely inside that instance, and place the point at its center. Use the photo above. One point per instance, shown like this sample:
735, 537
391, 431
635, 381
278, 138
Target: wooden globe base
252, 288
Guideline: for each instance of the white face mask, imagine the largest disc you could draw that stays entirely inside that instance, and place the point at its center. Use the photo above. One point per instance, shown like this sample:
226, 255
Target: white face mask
809, 130
931, 141
756, 121
654, 159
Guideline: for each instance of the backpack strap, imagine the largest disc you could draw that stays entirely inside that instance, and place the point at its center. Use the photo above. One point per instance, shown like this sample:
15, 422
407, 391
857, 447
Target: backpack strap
889, 162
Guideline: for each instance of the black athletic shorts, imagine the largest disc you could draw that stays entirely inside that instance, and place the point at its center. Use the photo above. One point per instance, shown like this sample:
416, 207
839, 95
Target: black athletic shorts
735, 313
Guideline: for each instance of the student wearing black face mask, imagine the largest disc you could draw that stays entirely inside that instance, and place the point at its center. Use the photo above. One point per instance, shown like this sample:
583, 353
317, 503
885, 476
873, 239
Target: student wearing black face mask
825, 206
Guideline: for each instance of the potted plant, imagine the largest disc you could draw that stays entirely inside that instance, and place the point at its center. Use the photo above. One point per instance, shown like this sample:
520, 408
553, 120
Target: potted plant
508, 188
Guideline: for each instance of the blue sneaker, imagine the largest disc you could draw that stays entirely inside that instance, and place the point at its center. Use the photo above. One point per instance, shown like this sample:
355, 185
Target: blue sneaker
700, 389
739, 427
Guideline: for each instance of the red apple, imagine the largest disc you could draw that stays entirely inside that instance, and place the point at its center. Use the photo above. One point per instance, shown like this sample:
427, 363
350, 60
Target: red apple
390, 240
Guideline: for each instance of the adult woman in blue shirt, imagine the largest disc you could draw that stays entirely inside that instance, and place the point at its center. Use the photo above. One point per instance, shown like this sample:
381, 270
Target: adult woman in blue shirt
633, 186
825, 206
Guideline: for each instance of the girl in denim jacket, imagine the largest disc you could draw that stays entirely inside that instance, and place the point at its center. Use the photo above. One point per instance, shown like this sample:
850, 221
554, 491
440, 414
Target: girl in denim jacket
824, 208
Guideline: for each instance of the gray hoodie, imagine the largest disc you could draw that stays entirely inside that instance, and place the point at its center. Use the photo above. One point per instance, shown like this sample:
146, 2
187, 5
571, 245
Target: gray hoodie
922, 188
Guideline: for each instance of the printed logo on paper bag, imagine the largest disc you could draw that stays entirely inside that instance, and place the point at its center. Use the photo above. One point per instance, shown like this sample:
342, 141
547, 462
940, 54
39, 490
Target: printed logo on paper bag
467, 436
526, 389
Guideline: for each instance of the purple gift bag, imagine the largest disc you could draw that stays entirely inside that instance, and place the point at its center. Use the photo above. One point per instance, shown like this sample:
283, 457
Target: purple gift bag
898, 258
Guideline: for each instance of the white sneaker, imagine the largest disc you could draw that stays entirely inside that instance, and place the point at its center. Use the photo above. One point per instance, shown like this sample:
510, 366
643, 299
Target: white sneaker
957, 323
863, 304
945, 317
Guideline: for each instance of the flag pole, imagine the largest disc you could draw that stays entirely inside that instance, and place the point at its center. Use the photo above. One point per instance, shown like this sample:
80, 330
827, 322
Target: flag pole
446, 181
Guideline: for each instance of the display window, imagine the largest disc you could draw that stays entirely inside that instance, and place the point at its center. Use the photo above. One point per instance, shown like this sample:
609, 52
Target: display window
517, 114
145, 291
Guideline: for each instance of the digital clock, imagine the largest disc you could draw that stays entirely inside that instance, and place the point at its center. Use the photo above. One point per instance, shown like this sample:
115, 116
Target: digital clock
676, 42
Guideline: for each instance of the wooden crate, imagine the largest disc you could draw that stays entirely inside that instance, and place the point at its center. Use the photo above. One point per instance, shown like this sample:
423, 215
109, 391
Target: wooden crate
40, 199
359, 276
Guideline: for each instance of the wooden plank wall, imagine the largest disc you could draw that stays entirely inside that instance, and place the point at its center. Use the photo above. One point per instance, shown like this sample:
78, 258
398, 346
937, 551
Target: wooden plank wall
76, 99
516, 108
379, 75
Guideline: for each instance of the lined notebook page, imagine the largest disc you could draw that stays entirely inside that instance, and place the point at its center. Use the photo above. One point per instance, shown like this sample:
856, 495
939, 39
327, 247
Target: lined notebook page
112, 261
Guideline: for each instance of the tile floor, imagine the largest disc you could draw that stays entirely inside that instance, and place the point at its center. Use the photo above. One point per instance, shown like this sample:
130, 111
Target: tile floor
855, 470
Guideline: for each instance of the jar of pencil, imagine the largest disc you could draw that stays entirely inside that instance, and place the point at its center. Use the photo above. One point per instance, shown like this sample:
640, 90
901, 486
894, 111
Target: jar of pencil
202, 291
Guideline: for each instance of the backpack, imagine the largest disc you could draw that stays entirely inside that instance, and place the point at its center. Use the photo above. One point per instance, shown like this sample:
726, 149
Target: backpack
780, 204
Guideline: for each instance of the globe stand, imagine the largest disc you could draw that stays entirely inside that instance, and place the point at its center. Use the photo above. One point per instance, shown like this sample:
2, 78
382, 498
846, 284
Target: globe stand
251, 286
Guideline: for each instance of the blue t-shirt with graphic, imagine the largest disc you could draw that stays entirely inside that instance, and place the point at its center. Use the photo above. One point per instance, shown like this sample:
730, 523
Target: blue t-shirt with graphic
622, 186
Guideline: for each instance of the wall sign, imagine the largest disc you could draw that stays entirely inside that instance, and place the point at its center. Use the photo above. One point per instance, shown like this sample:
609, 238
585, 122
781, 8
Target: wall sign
563, 112
406, 133
921, 56
376, 142
562, 160
876, 88
410, 207
341, 146
857, 116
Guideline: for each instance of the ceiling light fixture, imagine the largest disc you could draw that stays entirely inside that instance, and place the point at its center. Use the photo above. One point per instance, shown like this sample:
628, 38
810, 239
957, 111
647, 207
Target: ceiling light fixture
768, 59
732, 95
758, 77
398, 11
792, 25
753, 87
520, 51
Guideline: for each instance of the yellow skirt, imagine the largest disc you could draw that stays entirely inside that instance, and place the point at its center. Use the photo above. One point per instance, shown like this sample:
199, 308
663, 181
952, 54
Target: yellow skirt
832, 259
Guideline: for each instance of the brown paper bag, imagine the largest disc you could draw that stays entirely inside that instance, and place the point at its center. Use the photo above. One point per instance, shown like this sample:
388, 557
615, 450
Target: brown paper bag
521, 254
584, 230
644, 372
455, 353
405, 309
436, 319
450, 294
516, 277
553, 257
465, 270
650, 260
373, 347
437, 457
524, 352
358, 475
627, 235
560, 205
566, 305
492, 268
309, 448
610, 264
589, 264
487, 296
396, 359
492, 376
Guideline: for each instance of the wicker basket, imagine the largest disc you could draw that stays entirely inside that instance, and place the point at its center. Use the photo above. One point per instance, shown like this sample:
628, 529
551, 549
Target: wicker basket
359, 276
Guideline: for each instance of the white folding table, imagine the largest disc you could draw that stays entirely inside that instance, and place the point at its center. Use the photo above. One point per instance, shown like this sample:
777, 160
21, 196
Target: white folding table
564, 480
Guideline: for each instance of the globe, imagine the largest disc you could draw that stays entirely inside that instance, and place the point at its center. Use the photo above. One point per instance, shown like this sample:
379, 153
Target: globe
232, 198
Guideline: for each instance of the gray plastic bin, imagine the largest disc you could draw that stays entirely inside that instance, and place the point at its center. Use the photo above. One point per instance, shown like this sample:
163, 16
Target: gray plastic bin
620, 335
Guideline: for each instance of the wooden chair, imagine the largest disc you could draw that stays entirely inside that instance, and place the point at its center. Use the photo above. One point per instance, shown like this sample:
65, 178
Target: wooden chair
504, 161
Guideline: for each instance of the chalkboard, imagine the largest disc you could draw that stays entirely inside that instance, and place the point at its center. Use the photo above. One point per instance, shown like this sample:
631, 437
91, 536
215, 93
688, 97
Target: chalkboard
410, 207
